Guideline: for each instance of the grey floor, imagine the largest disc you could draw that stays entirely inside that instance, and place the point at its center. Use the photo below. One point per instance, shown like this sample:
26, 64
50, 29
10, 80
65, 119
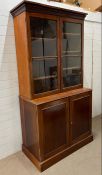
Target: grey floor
86, 161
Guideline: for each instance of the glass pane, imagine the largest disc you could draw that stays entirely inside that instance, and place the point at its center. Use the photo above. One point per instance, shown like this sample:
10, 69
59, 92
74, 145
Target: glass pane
51, 67
45, 67
50, 47
71, 45
73, 28
44, 54
37, 48
71, 62
42, 28
71, 77
38, 68
43, 85
71, 54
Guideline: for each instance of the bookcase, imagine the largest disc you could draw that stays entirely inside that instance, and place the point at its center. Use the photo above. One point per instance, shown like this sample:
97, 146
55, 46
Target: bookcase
56, 110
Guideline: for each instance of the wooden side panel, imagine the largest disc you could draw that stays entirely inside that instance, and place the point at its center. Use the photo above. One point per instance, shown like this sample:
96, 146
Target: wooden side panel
80, 116
22, 55
30, 132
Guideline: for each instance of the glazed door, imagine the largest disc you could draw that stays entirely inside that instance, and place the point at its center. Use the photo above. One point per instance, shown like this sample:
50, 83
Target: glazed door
54, 130
71, 54
80, 116
44, 53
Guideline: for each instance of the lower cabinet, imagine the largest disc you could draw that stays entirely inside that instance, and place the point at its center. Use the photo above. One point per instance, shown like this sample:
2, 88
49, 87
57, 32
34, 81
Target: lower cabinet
64, 122
54, 129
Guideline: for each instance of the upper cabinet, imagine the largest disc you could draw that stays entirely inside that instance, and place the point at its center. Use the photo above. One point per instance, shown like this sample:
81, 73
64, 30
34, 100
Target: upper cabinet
49, 44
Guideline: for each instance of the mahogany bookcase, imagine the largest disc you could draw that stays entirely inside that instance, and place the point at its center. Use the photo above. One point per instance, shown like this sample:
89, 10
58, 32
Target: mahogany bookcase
56, 110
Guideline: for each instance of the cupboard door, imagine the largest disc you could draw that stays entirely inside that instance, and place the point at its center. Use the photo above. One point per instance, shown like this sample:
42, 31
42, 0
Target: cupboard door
71, 53
80, 116
54, 127
44, 42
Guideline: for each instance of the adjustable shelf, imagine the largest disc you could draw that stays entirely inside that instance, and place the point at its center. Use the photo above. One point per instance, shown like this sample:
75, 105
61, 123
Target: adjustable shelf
69, 68
72, 34
45, 58
71, 56
38, 38
45, 77
71, 51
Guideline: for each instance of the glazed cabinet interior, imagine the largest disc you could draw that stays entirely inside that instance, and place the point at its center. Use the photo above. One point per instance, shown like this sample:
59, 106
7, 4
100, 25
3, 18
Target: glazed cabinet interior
56, 110
54, 69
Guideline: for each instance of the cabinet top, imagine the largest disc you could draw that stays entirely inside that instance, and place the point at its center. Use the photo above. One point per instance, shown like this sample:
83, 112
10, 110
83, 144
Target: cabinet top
34, 7
67, 94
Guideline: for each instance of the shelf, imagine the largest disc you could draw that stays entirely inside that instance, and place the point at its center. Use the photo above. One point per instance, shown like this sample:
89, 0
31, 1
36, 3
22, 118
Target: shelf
45, 58
45, 77
71, 55
73, 74
37, 38
69, 68
72, 34
71, 51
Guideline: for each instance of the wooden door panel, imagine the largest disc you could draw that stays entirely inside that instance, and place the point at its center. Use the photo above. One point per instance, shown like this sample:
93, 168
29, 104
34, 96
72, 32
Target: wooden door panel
54, 120
80, 116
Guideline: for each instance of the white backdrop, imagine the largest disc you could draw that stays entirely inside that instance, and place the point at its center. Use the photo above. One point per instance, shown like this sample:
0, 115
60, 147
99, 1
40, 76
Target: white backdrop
10, 127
